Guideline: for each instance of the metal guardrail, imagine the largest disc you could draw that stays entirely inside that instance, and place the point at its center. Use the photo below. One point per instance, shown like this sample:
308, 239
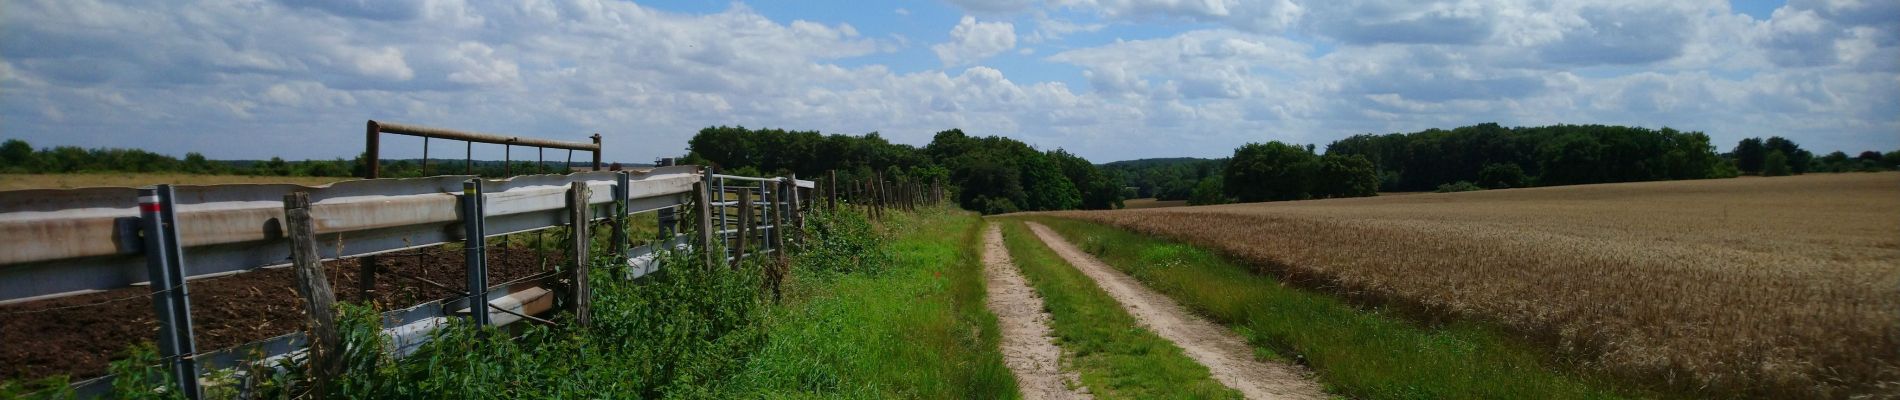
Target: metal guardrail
68, 242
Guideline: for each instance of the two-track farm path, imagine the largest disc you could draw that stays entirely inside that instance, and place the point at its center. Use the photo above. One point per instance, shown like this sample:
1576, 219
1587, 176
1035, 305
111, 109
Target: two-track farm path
1224, 353
1025, 326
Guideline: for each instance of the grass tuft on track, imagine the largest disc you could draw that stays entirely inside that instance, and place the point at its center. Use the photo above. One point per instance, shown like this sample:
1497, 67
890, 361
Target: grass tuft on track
1115, 356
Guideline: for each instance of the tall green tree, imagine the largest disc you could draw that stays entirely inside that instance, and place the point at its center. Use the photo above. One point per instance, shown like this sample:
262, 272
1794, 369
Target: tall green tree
1775, 164
1269, 171
1798, 159
1345, 176
16, 154
1749, 155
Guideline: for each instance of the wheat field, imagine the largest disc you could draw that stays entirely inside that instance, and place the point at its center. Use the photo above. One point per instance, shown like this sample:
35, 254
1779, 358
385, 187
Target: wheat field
1775, 287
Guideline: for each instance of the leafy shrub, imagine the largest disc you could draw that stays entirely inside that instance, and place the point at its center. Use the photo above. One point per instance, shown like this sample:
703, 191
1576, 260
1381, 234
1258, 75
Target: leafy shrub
1459, 186
1502, 176
1776, 164
841, 243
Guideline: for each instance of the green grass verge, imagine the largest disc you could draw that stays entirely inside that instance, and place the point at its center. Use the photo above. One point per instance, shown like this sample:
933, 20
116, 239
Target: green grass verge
913, 328
1114, 355
1360, 353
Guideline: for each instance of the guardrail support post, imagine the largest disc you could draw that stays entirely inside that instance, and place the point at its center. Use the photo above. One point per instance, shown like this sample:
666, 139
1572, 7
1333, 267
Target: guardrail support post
319, 302
475, 249
366, 278
164, 261
578, 218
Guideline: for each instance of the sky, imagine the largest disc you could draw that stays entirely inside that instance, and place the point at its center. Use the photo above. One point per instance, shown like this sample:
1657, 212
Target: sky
1106, 79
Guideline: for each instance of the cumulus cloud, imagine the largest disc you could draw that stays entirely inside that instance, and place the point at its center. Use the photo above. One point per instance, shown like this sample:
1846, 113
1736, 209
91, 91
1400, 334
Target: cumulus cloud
1195, 77
1254, 16
972, 41
995, 6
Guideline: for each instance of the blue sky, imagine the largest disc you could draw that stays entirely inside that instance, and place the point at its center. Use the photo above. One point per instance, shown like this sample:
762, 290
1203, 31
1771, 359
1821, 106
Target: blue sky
1106, 79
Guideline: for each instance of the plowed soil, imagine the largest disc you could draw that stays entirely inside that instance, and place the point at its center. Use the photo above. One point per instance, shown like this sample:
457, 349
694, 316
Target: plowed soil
76, 336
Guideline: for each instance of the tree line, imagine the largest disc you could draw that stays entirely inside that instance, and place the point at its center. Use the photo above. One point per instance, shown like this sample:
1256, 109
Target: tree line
19, 157
990, 174
1483, 156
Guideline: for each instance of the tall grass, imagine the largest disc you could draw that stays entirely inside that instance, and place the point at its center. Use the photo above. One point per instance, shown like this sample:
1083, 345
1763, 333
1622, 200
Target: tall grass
1114, 355
1368, 354
869, 321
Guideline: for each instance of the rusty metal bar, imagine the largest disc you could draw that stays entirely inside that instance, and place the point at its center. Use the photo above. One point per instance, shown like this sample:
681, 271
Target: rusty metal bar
596, 138
424, 131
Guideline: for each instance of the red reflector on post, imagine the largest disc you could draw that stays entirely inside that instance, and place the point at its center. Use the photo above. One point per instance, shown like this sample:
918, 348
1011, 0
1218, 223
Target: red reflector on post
149, 207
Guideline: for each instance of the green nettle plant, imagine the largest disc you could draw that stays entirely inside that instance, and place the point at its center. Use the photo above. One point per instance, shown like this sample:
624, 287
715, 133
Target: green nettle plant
841, 243
140, 375
679, 332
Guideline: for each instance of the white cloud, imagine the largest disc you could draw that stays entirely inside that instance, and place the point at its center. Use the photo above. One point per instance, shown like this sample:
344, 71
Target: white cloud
972, 41
1203, 77
1256, 16
994, 6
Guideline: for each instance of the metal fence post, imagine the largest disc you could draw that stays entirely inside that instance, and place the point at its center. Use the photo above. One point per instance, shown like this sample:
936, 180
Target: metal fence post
766, 213
778, 217
666, 218
164, 261
475, 249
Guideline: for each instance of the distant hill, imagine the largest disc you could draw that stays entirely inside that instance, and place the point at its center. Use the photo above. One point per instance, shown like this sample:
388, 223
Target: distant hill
1164, 178
1150, 162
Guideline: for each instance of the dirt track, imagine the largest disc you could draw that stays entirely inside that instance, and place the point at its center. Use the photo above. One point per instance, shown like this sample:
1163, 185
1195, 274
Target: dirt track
1025, 326
1225, 354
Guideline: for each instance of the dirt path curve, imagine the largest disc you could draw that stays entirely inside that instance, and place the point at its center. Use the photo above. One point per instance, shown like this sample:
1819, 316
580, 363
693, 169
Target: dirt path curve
1026, 345
1223, 352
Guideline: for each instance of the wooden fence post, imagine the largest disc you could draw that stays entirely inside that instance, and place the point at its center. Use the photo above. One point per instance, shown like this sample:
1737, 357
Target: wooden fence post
703, 190
618, 234
579, 216
318, 300
775, 272
832, 193
745, 229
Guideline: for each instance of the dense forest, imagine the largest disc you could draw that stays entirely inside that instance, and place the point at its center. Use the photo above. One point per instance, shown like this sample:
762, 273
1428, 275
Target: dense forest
1165, 178
1491, 156
991, 174
1484, 156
